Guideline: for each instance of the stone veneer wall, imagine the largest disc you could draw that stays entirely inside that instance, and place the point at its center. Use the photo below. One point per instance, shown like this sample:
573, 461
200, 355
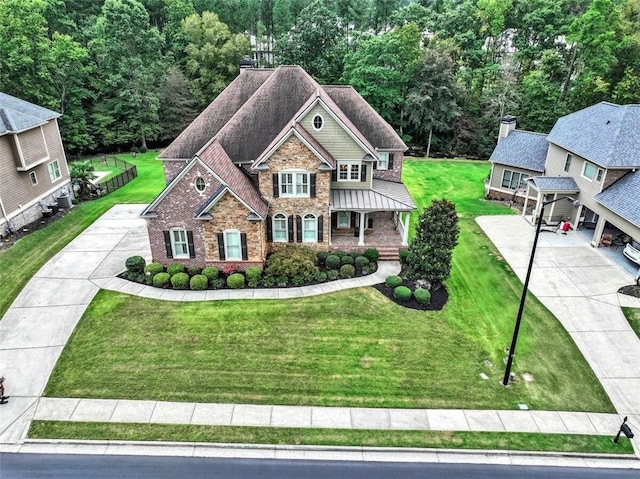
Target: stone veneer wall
294, 154
394, 173
502, 196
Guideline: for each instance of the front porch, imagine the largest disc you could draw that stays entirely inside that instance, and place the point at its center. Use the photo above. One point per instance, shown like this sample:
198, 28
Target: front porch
381, 231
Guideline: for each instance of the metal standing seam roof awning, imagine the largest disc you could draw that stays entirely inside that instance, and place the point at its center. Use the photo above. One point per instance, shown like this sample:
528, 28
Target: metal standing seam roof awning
554, 184
385, 196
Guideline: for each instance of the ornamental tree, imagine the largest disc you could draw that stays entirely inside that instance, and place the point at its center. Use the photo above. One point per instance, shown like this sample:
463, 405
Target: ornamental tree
431, 250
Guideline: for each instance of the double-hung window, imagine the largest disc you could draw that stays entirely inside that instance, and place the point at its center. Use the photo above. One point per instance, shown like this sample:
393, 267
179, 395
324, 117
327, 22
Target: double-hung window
383, 160
232, 245
349, 171
514, 180
280, 231
309, 228
179, 243
54, 171
294, 183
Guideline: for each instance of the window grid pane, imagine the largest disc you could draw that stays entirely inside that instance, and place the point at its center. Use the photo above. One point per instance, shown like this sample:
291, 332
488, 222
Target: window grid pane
355, 172
232, 245
180, 246
280, 228
309, 232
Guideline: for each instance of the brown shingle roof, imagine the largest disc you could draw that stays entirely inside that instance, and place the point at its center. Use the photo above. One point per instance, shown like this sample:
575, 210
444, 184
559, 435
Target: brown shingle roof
217, 159
216, 115
379, 133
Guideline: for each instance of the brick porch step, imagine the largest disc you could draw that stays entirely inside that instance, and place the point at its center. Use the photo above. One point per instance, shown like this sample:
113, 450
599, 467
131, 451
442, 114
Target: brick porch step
389, 253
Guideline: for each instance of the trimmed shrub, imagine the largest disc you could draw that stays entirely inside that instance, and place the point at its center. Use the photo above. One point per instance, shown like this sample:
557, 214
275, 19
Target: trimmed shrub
135, 264
282, 281
153, 268
340, 254
297, 280
193, 270
347, 270
211, 273
322, 256
347, 260
180, 281
321, 277
161, 280
333, 261
393, 281
361, 262
368, 269
332, 274
402, 293
355, 254
423, 296
253, 274
235, 281
371, 254
175, 268
217, 283
292, 261
404, 254
268, 281
198, 282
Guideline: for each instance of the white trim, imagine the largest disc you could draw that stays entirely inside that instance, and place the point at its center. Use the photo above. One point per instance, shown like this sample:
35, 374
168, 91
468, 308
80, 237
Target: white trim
349, 164
294, 172
286, 228
49, 171
315, 218
355, 138
174, 243
44, 139
34, 177
584, 167
204, 185
226, 244
378, 163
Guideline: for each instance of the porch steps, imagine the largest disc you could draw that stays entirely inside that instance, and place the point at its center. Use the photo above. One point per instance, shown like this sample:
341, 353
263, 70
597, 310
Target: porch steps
389, 253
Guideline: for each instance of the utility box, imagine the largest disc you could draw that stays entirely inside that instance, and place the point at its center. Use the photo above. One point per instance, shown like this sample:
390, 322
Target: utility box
64, 201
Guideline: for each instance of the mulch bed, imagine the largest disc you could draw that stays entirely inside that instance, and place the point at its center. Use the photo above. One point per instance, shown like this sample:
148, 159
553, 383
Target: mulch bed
439, 297
631, 290
43, 222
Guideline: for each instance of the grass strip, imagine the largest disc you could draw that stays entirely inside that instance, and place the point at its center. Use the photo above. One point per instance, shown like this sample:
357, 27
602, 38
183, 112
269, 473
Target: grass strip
330, 437
633, 316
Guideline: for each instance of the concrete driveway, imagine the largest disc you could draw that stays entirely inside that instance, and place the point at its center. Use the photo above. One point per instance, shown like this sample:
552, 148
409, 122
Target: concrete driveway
579, 285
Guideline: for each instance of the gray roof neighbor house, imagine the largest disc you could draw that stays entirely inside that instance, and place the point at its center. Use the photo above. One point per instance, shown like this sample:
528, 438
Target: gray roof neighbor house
18, 115
523, 149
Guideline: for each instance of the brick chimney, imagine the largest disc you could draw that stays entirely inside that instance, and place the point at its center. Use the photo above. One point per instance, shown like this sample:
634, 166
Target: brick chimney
507, 124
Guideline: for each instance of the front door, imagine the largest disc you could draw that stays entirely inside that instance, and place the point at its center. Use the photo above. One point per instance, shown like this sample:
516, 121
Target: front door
344, 219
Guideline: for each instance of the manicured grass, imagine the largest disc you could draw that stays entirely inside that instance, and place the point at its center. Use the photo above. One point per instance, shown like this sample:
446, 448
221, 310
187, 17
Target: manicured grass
332, 437
633, 316
349, 348
20, 262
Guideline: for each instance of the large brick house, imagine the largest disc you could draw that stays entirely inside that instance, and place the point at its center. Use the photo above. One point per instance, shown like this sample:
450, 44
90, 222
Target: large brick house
33, 166
590, 155
278, 159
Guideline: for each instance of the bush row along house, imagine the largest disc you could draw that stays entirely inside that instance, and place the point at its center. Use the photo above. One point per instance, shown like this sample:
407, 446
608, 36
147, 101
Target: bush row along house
33, 165
278, 159
592, 155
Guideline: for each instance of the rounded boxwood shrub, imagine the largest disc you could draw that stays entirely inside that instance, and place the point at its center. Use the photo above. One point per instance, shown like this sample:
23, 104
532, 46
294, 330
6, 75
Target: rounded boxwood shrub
161, 280
340, 254
404, 254
393, 281
355, 254
423, 296
235, 281
193, 270
135, 264
180, 281
402, 293
347, 260
175, 268
198, 282
332, 261
332, 274
253, 273
371, 254
322, 256
361, 261
347, 270
211, 273
153, 268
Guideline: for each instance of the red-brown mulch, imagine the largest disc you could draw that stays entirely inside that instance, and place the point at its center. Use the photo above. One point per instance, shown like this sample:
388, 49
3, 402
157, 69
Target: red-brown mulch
439, 297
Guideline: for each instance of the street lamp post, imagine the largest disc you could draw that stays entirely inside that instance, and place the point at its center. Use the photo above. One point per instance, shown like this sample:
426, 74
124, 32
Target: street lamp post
525, 288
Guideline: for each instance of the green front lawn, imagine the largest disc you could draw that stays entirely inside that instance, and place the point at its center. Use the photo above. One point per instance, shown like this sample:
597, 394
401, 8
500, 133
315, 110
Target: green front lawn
350, 348
330, 437
633, 316
22, 260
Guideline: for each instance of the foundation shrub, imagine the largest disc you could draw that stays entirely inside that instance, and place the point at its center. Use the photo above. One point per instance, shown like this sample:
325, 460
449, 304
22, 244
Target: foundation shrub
161, 280
235, 281
198, 282
333, 261
347, 271
180, 281
193, 270
361, 262
153, 268
402, 293
423, 296
175, 268
292, 261
135, 264
371, 254
211, 273
393, 281
253, 274
347, 259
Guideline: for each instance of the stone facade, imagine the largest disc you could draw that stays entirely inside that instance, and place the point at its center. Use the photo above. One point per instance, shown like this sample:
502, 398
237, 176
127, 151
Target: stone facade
230, 214
293, 154
395, 172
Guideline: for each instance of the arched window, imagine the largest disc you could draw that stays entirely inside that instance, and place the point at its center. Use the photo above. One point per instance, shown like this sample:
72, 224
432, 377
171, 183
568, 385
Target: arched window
280, 231
200, 184
318, 122
309, 228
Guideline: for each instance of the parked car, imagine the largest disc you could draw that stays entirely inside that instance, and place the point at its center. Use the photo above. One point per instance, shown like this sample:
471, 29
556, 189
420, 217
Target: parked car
632, 251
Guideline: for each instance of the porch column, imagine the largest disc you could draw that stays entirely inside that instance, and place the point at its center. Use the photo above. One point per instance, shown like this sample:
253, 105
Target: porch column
526, 200
404, 219
363, 222
597, 234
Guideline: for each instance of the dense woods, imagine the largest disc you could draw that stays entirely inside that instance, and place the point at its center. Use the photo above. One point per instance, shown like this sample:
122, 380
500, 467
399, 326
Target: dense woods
130, 73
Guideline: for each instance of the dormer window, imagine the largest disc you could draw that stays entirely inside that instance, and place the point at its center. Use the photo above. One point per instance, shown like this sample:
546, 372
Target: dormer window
349, 171
318, 122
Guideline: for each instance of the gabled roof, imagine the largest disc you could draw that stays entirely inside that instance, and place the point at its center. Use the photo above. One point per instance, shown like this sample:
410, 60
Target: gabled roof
555, 183
605, 133
216, 115
366, 120
522, 149
623, 197
17, 115
305, 137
